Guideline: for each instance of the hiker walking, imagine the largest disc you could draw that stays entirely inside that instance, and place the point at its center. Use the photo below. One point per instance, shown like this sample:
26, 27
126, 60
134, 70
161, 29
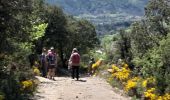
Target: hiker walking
74, 62
43, 62
52, 63
91, 62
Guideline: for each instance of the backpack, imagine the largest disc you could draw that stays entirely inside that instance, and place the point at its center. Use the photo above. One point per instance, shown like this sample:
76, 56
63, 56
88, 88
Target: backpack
51, 58
75, 58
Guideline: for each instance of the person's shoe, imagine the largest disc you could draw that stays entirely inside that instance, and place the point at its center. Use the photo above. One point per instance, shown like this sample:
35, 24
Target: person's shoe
53, 79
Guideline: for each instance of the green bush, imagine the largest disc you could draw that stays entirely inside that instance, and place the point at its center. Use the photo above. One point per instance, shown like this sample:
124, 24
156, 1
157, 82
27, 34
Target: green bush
156, 63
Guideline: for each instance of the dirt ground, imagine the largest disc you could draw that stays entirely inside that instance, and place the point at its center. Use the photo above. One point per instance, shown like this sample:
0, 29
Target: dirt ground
88, 88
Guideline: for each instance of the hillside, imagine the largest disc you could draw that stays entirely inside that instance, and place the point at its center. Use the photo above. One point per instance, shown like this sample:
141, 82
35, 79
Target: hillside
107, 15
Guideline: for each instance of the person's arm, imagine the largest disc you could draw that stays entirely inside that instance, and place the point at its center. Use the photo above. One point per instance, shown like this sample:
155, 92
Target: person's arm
47, 57
56, 59
70, 60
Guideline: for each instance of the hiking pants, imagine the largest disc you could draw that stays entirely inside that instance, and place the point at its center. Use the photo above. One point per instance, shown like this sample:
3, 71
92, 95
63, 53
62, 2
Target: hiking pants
75, 69
44, 69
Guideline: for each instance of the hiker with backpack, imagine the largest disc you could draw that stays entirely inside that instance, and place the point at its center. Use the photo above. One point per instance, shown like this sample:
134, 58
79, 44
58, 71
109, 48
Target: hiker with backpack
74, 63
52, 63
43, 62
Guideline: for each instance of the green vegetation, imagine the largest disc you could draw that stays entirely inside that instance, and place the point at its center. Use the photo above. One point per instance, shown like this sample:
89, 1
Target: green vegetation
144, 46
106, 15
26, 27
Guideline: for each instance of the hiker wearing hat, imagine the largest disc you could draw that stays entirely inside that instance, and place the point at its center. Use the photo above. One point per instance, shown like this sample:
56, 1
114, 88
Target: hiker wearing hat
52, 63
74, 62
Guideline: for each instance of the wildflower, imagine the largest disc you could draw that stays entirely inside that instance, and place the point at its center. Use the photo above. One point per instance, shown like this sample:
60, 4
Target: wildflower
160, 98
27, 84
97, 64
144, 83
166, 96
150, 94
136, 79
115, 68
121, 74
132, 83
36, 71
94, 66
148, 81
125, 65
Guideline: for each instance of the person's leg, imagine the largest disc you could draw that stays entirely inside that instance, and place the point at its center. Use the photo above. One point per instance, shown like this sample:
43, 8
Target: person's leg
43, 70
53, 73
50, 73
73, 71
90, 70
77, 72
93, 71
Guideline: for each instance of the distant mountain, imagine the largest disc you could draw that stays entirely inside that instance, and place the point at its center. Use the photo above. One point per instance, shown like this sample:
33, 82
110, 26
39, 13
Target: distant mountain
115, 13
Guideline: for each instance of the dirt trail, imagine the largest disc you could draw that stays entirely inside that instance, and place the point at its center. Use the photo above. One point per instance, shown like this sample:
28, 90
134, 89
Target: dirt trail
65, 88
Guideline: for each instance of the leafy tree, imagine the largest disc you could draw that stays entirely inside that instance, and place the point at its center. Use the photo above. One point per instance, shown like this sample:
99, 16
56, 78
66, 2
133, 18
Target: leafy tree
82, 35
157, 13
56, 34
65, 33
17, 20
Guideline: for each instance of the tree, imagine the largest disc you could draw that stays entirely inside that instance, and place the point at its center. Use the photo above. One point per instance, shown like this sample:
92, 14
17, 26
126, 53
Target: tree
82, 35
64, 33
56, 34
157, 13
17, 19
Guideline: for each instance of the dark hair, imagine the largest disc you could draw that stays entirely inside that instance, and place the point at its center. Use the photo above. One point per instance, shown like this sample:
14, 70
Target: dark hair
92, 58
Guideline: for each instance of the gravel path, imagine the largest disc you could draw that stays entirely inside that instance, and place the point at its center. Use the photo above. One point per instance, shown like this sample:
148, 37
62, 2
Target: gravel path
65, 88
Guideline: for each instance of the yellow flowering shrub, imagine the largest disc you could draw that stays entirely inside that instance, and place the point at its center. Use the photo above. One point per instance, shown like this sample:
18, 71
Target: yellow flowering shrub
36, 71
150, 95
144, 83
132, 83
145, 87
124, 65
148, 82
35, 68
121, 74
27, 85
97, 64
164, 97
115, 68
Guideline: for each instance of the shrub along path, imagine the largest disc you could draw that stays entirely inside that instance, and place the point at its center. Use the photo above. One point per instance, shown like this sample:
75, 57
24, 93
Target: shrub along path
65, 88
